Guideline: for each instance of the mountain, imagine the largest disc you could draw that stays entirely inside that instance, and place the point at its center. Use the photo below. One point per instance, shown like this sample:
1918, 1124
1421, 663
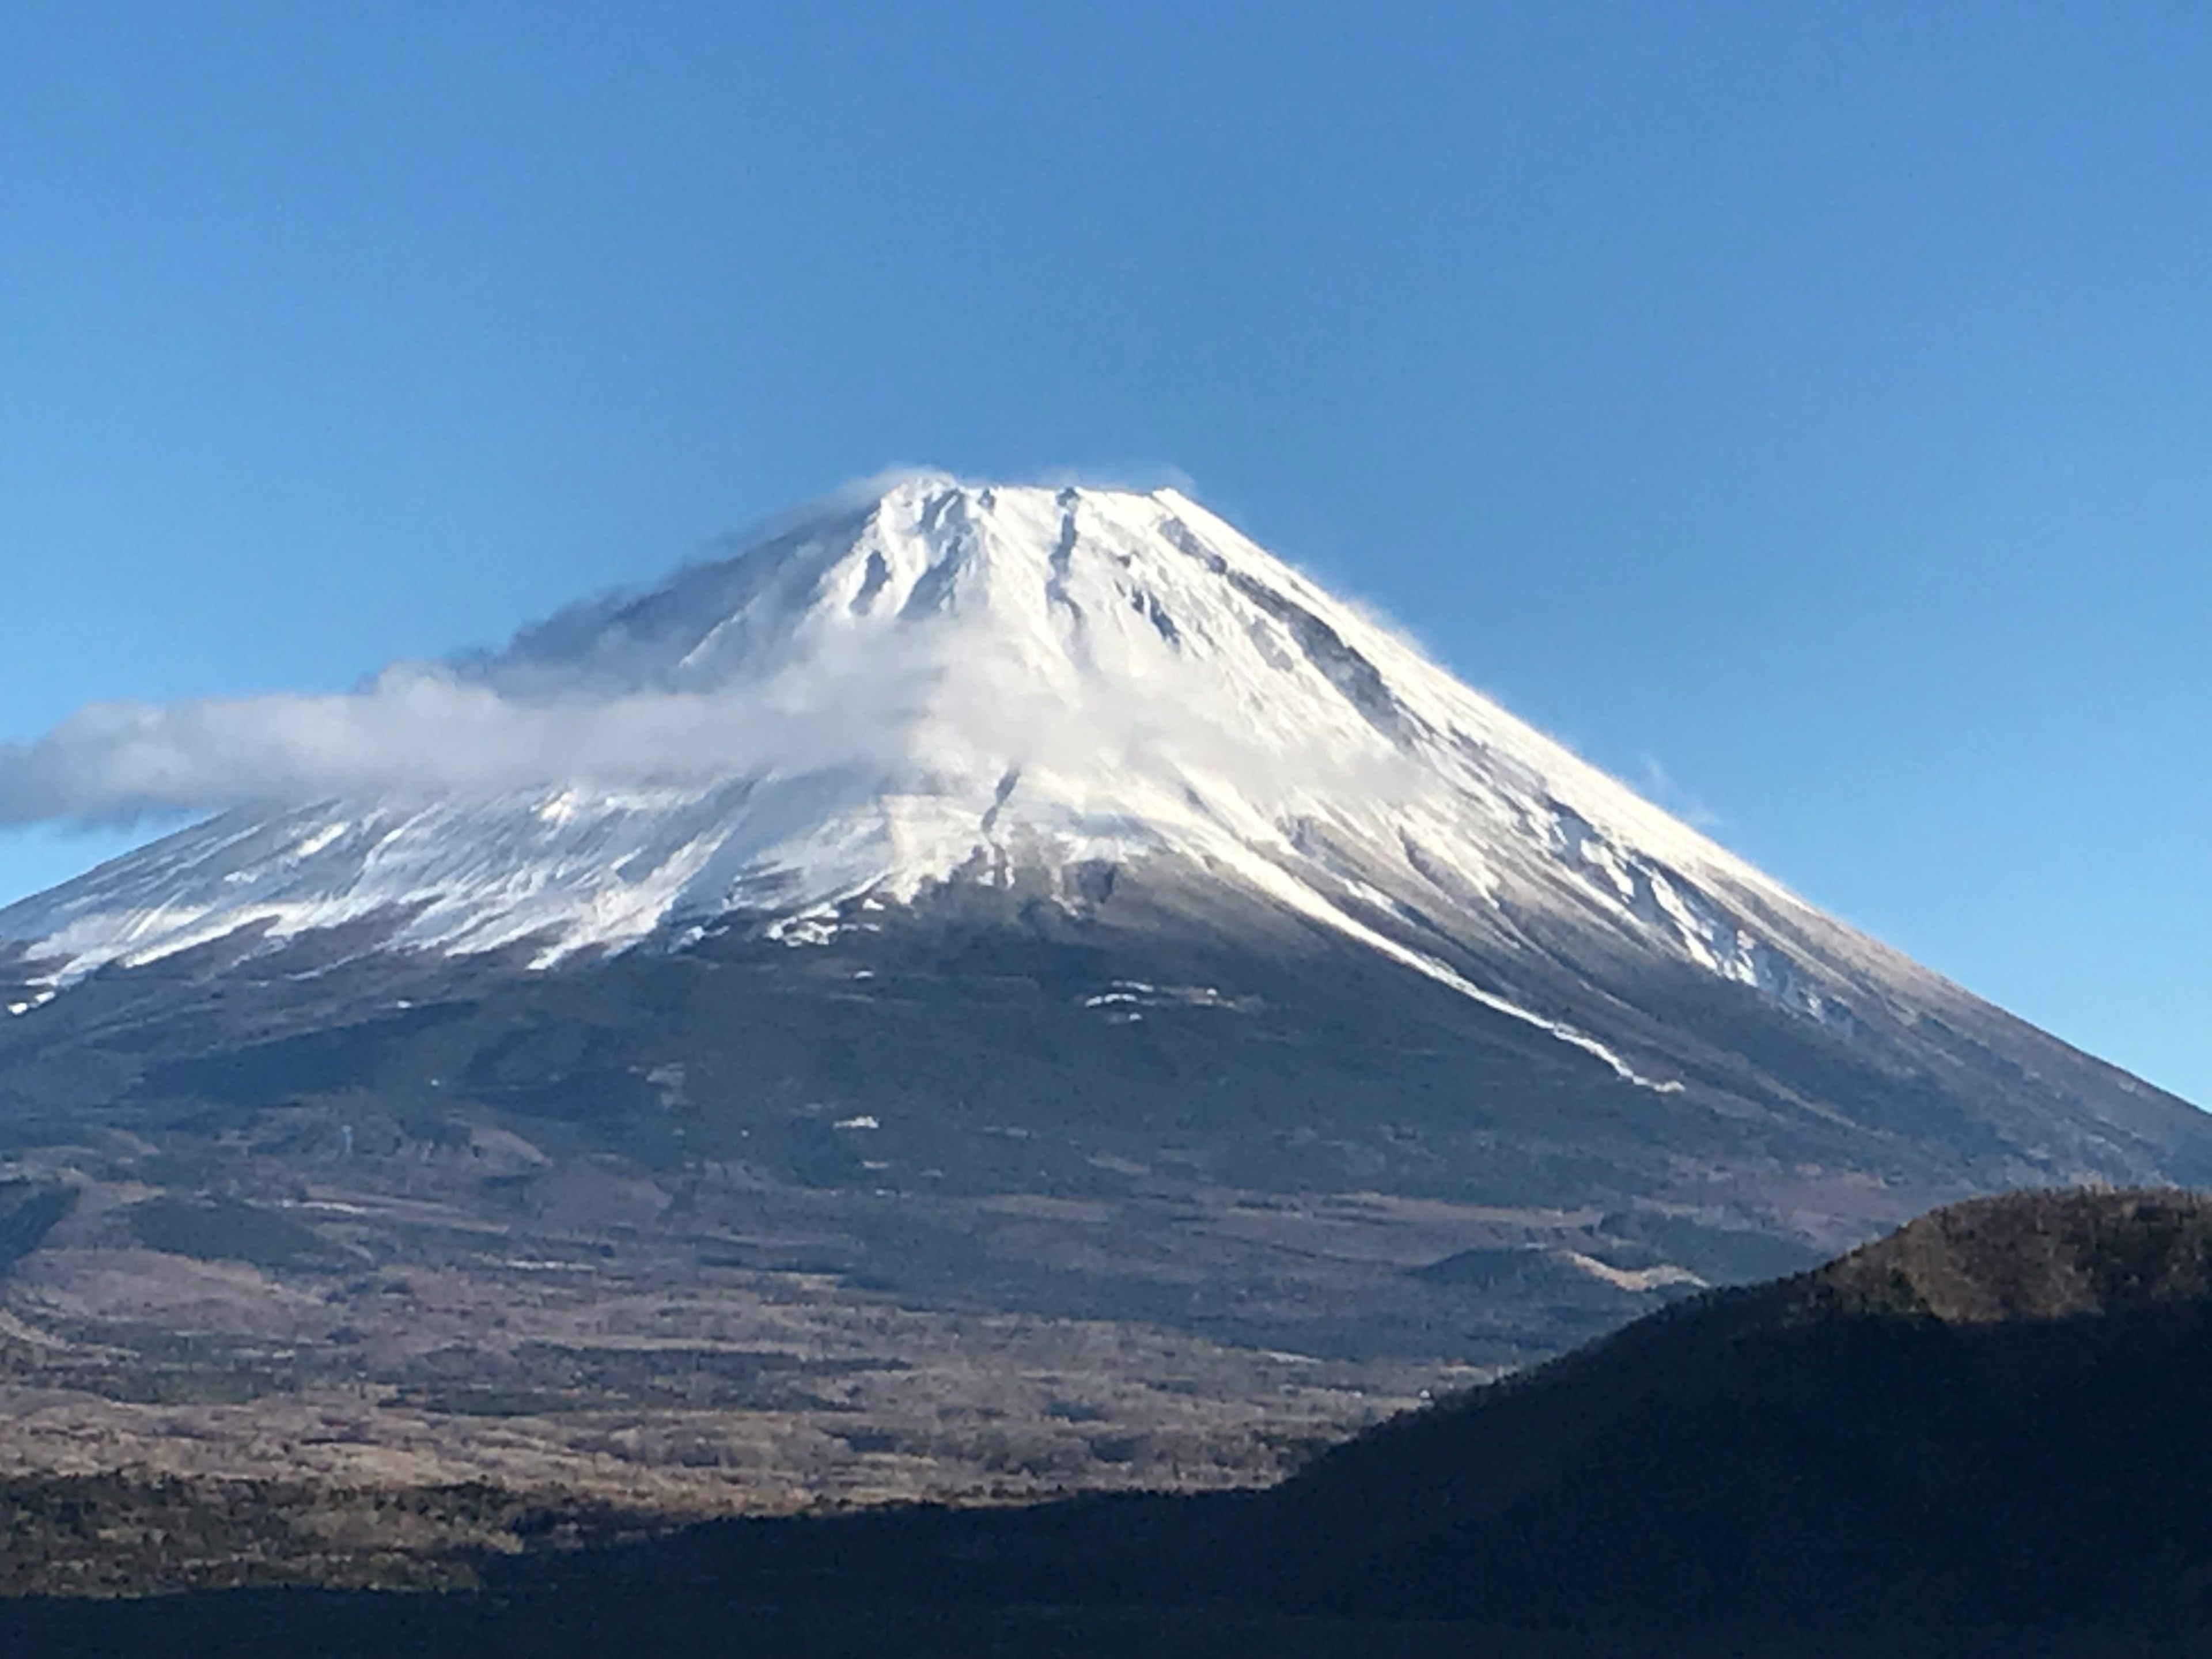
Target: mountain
1027, 913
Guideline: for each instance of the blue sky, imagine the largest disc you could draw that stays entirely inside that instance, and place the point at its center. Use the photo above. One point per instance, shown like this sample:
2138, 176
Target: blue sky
1806, 411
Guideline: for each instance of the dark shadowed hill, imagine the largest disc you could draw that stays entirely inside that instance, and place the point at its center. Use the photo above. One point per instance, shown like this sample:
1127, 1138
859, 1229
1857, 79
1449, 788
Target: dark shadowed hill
1999, 1412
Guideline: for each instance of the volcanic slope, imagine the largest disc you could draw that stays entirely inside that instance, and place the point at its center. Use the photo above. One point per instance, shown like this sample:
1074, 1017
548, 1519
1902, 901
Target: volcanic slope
1026, 899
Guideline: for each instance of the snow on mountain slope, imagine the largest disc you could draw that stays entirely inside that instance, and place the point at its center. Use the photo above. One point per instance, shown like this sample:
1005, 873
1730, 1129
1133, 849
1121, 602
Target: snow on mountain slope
956, 681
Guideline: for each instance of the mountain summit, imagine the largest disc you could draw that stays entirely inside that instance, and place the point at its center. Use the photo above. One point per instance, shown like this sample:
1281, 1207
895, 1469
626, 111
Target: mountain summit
957, 683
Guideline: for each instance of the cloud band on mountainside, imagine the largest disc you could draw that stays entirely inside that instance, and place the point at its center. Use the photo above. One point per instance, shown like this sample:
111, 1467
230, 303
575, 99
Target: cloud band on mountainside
425, 732
413, 732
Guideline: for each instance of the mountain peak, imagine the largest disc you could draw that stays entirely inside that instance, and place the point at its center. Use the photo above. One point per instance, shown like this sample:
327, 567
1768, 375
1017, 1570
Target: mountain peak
941, 681
1048, 566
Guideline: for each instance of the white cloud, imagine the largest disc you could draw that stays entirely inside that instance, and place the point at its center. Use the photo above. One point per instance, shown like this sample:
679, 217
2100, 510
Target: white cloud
1661, 787
423, 732
416, 731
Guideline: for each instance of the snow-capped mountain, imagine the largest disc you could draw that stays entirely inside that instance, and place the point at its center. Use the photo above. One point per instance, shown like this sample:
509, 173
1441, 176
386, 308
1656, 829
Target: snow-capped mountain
954, 682
1168, 938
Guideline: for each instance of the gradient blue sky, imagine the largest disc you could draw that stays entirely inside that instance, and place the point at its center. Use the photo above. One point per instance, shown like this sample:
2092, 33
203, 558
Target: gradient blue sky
1804, 410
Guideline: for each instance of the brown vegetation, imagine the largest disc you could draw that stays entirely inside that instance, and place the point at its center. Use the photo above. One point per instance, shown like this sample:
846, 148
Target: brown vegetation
2034, 1255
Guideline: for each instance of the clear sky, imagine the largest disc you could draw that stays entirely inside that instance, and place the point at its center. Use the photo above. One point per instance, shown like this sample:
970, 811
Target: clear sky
1804, 410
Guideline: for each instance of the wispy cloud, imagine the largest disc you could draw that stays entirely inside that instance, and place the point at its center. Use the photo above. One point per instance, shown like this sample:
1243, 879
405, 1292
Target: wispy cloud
1665, 791
421, 730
